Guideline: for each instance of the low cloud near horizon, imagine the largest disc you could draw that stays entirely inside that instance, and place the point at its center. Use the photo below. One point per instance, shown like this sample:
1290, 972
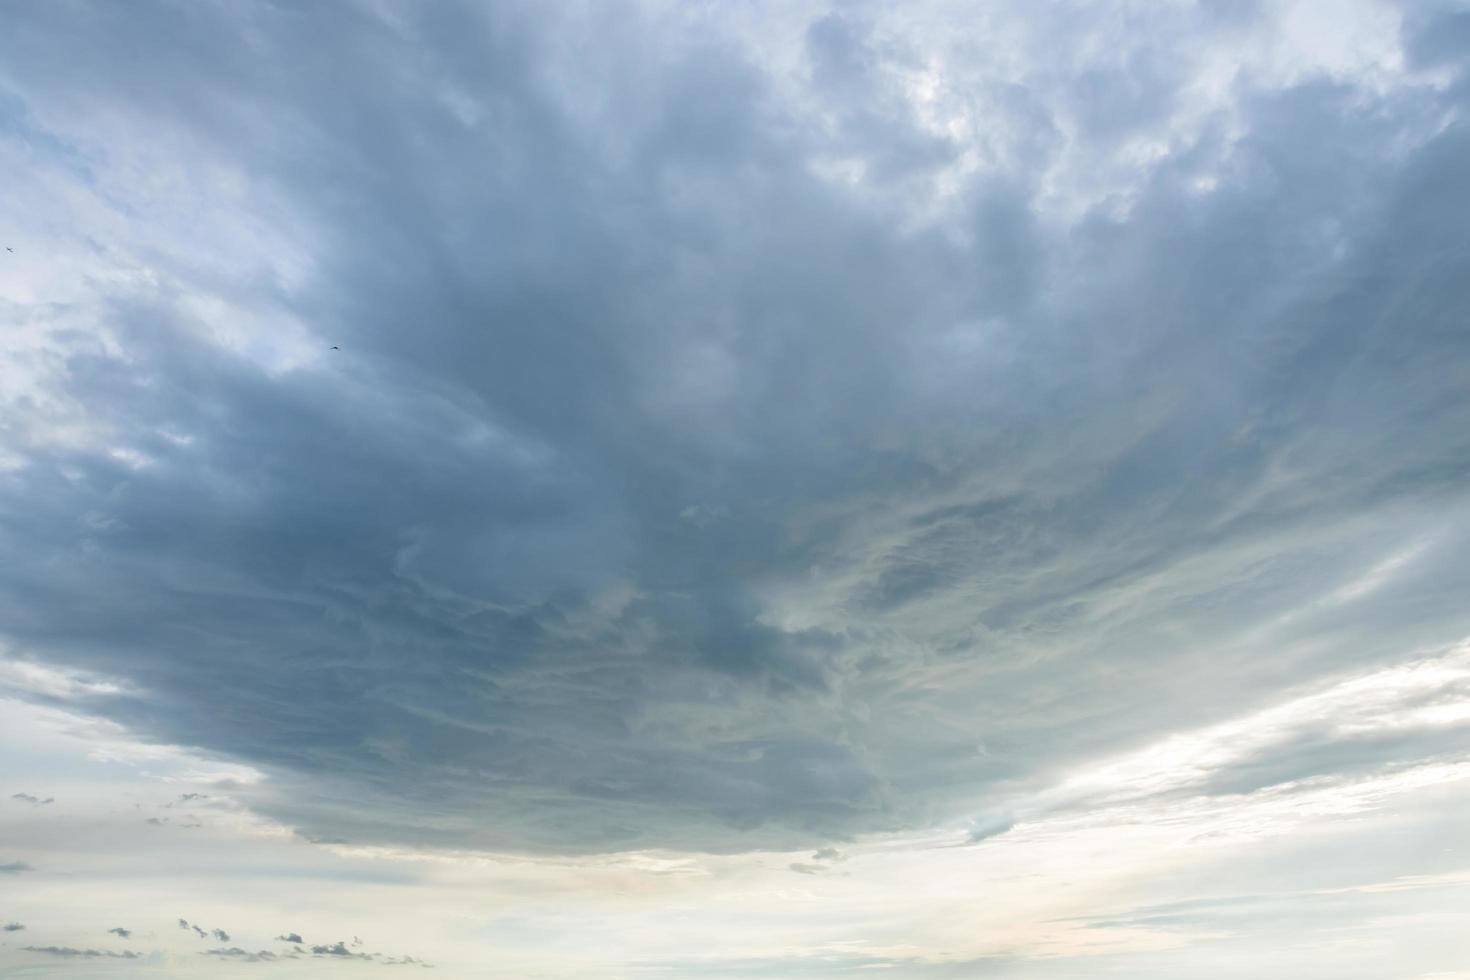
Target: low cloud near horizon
966, 491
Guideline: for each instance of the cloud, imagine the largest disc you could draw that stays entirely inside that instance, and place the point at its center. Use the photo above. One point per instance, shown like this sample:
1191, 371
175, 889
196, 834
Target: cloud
33, 800
15, 867
718, 467
71, 952
403, 961
119, 931
12, 927
291, 937
236, 953
335, 949
221, 935
993, 825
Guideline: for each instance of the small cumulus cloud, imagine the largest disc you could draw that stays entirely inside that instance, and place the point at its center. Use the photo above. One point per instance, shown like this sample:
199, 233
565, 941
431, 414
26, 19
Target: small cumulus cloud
120, 931
291, 937
221, 935
335, 949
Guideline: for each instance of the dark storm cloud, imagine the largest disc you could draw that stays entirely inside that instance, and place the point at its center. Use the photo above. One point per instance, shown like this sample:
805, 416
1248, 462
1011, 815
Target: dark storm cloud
665, 492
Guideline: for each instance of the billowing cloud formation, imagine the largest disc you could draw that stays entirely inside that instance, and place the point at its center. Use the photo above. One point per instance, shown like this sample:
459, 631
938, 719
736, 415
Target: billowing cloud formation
783, 438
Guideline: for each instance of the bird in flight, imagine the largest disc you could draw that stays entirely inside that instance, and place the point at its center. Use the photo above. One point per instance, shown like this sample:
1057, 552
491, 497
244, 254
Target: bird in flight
9, 249
335, 347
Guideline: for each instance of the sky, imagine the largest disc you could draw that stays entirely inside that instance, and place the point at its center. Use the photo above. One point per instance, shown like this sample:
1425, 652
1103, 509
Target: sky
748, 489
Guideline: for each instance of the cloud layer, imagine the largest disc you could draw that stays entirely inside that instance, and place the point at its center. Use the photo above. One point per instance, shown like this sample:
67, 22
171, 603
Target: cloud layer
564, 432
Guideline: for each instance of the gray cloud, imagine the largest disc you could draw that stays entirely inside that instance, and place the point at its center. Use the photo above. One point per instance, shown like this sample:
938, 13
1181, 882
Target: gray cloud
120, 931
33, 800
669, 493
220, 934
12, 927
404, 961
71, 952
291, 937
992, 825
335, 949
236, 953
14, 867
808, 869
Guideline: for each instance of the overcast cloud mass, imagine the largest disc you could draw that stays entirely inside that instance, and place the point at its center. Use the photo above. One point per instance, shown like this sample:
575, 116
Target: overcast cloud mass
754, 490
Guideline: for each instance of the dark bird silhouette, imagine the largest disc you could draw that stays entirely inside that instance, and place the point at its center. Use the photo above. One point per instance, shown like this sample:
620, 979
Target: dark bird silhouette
336, 348
9, 249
